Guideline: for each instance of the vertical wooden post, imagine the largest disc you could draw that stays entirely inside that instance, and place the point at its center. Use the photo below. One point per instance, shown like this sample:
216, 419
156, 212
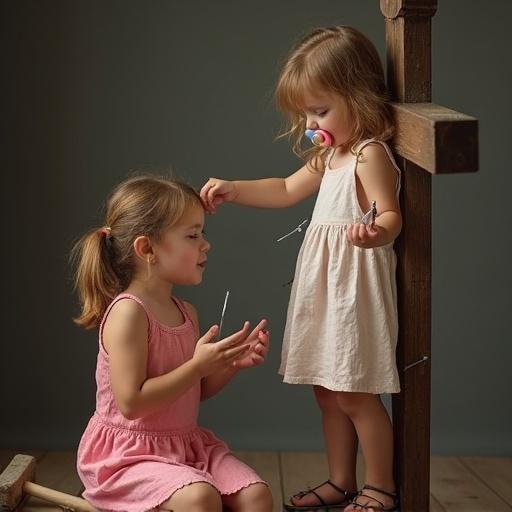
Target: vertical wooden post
408, 41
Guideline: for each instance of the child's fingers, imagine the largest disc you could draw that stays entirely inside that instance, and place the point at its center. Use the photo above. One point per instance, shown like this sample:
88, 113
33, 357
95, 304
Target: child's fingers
251, 360
203, 194
209, 335
212, 192
205, 191
349, 233
361, 232
256, 359
235, 352
261, 349
264, 337
260, 327
372, 231
353, 234
235, 338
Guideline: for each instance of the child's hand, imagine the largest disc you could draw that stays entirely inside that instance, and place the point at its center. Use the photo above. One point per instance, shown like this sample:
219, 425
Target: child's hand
211, 357
363, 235
259, 341
215, 192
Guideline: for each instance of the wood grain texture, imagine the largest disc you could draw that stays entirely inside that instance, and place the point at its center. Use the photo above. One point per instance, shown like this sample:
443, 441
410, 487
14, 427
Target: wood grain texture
458, 490
495, 472
436, 138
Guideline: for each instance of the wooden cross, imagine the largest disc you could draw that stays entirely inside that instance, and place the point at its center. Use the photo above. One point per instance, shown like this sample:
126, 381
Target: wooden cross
430, 140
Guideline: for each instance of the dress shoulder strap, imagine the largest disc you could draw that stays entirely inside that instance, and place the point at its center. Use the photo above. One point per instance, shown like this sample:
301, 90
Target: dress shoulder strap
364, 143
328, 157
184, 311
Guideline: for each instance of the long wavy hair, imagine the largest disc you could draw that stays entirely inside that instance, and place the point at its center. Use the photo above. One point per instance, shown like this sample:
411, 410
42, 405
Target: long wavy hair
103, 259
339, 60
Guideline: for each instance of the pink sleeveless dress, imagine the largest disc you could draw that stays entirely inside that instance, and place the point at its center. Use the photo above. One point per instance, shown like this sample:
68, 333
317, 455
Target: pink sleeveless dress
342, 320
136, 465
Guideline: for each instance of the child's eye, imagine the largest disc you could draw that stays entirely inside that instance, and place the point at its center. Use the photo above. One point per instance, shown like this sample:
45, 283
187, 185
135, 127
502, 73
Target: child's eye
323, 113
196, 235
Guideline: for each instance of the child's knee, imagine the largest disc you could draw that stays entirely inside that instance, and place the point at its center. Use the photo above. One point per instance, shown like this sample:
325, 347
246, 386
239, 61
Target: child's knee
257, 497
199, 496
262, 496
204, 496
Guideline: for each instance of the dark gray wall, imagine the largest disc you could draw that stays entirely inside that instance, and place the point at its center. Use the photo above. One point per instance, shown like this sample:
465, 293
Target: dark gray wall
93, 90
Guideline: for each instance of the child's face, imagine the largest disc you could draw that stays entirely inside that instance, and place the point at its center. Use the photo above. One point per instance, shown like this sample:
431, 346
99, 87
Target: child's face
181, 253
328, 112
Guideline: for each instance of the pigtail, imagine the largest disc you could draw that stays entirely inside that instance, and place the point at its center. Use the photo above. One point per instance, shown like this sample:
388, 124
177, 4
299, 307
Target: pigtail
95, 279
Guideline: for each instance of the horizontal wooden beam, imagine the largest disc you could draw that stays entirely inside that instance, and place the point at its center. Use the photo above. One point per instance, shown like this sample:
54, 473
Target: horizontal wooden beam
436, 138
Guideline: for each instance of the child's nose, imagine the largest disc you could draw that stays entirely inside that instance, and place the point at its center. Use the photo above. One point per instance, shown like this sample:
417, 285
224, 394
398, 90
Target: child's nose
206, 246
311, 124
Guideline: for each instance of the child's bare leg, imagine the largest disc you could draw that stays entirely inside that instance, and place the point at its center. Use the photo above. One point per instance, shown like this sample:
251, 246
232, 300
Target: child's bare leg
255, 498
197, 497
341, 445
340, 439
375, 433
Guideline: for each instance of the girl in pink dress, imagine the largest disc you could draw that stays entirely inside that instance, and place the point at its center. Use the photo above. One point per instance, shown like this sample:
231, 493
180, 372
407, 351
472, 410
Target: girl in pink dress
142, 449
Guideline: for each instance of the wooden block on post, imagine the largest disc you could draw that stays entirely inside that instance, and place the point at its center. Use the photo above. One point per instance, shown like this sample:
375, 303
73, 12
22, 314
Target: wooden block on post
436, 138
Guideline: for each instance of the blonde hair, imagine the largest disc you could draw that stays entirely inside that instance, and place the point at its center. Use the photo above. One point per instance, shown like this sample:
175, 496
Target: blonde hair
103, 258
339, 60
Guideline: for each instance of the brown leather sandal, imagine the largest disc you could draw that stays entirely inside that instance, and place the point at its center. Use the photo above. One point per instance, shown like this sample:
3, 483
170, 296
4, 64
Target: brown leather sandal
376, 508
322, 505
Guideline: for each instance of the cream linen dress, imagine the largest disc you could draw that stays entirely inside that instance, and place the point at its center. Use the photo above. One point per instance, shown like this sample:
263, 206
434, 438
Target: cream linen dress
342, 323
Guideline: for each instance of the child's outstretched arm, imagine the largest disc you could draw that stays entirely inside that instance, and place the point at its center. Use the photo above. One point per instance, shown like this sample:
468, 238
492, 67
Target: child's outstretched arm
125, 337
258, 339
264, 193
378, 179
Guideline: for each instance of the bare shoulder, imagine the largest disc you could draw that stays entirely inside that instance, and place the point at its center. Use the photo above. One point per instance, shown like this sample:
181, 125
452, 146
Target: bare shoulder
375, 163
126, 321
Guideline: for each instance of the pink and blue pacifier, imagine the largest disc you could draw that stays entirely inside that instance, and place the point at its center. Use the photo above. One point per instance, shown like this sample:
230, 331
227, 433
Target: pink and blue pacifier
319, 137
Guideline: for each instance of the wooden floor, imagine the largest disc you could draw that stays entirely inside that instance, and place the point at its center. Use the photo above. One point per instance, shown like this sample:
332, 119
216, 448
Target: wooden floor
458, 484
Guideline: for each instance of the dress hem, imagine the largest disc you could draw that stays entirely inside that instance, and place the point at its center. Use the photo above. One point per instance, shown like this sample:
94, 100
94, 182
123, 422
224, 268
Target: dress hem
350, 388
237, 489
155, 504
244, 486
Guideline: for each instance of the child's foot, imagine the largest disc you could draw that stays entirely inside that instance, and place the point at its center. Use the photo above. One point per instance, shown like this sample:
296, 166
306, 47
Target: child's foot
372, 499
324, 494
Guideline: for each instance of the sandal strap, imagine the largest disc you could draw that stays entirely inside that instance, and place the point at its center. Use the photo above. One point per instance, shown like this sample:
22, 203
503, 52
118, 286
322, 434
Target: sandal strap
322, 502
372, 488
301, 494
381, 507
366, 505
339, 489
